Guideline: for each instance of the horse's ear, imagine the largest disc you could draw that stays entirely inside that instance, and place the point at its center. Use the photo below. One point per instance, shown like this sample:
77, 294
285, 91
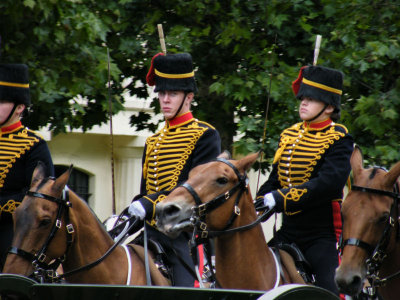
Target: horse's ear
356, 160
392, 176
38, 174
226, 155
246, 162
62, 180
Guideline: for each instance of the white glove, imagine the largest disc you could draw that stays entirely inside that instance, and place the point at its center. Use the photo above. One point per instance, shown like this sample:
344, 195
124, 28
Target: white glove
269, 200
136, 209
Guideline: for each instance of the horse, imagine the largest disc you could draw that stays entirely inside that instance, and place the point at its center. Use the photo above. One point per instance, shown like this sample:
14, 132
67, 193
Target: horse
225, 211
53, 226
370, 246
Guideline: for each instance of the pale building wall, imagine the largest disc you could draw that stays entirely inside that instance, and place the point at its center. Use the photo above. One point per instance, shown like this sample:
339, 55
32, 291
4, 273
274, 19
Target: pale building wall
90, 152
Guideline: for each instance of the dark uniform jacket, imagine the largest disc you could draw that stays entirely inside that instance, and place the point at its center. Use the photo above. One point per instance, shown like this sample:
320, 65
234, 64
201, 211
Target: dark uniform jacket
308, 175
171, 153
20, 151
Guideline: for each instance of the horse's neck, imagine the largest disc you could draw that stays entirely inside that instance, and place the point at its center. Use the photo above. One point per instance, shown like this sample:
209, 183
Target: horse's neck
243, 256
91, 240
390, 266
392, 262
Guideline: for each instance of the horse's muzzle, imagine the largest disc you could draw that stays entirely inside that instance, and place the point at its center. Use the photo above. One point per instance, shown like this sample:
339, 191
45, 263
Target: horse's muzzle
348, 282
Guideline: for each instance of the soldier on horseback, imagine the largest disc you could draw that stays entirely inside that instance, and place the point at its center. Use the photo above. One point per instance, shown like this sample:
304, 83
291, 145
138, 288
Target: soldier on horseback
182, 144
309, 171
20, 148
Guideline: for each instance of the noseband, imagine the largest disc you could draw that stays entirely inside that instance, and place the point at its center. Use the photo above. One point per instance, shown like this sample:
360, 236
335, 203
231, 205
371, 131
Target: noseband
43, 271
378, 253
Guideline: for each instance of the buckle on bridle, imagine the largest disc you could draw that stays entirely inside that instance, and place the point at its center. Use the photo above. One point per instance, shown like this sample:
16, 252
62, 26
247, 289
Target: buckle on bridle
41, 257
51, 274
237, 210
204, 234
379, 256
203, 226
202, 209
58, 224
70, 228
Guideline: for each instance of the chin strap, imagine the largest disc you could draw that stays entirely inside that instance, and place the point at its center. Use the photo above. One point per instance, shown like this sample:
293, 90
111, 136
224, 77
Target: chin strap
318, 114
180, 107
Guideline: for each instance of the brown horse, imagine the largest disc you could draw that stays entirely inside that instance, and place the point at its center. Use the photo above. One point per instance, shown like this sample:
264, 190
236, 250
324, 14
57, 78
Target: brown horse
53, 224
226, 211
371, 246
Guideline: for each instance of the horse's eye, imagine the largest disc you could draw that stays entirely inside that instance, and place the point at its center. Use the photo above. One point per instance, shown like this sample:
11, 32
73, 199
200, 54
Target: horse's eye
222, 180
384, 218
44, 222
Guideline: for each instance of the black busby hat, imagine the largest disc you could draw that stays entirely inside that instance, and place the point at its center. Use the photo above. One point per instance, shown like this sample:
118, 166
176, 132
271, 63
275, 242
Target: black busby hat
14, 83
323, 84
172, 72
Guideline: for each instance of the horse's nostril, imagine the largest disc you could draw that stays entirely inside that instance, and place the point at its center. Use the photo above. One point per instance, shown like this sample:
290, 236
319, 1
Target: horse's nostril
356, 281
171, 210
350, 286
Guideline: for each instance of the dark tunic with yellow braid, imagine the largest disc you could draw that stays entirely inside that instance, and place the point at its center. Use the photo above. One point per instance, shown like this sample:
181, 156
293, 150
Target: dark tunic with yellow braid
168, 157
20, 151
309, 172
172, 152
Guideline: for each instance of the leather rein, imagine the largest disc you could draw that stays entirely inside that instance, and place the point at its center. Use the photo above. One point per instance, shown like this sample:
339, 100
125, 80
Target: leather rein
378, 253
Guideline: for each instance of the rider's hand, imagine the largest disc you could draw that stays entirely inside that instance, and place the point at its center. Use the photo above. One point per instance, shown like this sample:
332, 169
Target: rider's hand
136, 209
269, 201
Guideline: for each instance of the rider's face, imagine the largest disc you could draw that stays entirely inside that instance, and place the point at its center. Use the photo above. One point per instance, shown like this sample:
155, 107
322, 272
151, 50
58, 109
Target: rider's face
170, 101
6, 108
310, 107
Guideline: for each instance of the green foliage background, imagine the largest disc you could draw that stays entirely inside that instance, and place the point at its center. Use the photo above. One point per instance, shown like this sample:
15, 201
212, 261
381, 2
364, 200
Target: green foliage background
245, 52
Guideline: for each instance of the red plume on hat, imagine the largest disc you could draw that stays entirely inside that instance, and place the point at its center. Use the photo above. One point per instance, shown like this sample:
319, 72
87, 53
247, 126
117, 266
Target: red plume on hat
296, 84
150, 75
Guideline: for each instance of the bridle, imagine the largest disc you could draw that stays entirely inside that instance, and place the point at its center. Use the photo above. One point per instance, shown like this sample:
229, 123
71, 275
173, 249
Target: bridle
201, 234
376, 253
202, 209
46, 272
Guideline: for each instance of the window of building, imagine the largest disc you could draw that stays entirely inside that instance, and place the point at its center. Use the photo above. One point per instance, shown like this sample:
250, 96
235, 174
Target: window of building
78, 181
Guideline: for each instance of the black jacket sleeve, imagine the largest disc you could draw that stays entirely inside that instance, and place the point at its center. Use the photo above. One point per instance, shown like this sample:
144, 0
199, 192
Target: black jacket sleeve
326, 185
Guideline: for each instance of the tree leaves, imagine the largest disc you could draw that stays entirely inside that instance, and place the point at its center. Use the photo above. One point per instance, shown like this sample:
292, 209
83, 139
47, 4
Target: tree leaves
246, 54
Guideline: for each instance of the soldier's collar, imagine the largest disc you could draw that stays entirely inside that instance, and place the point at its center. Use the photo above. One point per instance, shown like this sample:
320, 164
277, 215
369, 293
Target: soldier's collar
318, 125
11, 127
180, 119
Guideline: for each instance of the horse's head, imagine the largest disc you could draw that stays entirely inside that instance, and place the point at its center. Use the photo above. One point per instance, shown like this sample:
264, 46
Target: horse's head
212, 191
369, 211
36, 237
